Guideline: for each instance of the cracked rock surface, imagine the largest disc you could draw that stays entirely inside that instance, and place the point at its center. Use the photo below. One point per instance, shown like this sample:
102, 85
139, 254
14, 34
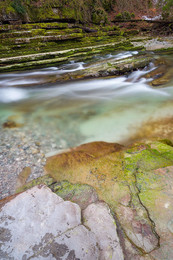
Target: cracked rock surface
97, 217
136, 182
124, 193
37, 224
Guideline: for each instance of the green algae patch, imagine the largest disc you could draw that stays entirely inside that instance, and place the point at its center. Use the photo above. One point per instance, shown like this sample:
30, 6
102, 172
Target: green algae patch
111, 171
135, 181
46, 179
82, 194
148, 159
157, 196
164, 147
150, 185
22, 40
102, 167
32, 64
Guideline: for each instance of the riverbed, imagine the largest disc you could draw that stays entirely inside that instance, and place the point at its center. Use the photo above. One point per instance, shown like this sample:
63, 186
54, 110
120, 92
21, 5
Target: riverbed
51, 117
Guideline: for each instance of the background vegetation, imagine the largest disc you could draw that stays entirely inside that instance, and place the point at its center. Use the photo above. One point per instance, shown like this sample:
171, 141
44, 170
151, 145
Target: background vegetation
85, 11
167, 8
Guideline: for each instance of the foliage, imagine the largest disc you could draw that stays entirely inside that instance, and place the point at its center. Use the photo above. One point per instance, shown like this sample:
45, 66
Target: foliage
167, 8
125, 16
132, 15
108, 4
18, 7
84, 11
99, 16
37, 10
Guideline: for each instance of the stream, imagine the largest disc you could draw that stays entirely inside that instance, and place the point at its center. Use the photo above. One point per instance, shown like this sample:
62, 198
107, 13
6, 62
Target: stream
63, 115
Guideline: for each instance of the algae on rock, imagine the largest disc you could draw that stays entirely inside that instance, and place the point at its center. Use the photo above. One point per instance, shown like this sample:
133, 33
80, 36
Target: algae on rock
115, 173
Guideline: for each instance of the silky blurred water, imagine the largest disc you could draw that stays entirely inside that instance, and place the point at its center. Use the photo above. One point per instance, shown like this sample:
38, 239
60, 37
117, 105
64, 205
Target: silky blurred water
111, 109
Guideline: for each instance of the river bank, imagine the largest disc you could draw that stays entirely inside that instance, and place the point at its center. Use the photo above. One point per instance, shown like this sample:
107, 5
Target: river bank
33, 102
28, 46
101, 94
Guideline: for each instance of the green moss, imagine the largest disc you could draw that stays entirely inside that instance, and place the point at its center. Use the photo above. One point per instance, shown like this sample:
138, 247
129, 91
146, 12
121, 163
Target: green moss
167, 142
166, 51
10, 10
18, 7
36, 32
6, 7
131, 32
99, 16
127, 179
46, 179
110, 28
164, 148
33, 64
67, 190
132, 15
124, 16
148, 159
68, 13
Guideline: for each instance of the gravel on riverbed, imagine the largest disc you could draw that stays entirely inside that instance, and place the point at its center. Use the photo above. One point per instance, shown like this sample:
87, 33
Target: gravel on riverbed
20, 148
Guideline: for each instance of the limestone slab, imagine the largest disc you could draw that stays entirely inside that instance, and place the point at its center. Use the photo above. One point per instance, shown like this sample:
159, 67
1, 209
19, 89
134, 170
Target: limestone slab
98, 218
37, 224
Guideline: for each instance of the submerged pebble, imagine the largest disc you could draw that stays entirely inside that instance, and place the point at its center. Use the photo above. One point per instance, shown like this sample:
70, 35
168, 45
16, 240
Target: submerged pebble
18, 150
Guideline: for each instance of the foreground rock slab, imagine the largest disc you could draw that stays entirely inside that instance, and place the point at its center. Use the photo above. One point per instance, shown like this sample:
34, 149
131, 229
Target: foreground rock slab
136, 182
98, 218
37, 224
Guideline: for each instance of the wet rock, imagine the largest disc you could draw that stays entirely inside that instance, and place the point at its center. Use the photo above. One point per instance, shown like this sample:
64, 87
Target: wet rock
11, 124
46, 180
75, 244
108, 67
82, 194
163, 78
37, 224
138, 228
89, 30
97, 217
113, 171
158, 72
162, 74
22, 177
133, 253
157, 195
152, 129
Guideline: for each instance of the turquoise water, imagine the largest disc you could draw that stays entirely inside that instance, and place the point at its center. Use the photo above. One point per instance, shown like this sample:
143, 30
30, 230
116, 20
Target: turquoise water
111, 109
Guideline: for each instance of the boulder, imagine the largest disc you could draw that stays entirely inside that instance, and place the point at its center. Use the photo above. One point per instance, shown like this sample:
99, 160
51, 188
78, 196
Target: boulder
119, 175
156, 194
37, 224
82, 194
97, 217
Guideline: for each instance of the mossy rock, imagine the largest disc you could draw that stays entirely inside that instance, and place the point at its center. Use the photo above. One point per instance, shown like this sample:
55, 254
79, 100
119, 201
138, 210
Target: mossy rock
82, 194
157, 196
163, 78
70, 49
120, 177
11, 124
46, 179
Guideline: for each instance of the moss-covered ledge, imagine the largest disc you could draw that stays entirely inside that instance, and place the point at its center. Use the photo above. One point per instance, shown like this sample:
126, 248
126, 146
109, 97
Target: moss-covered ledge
133, 180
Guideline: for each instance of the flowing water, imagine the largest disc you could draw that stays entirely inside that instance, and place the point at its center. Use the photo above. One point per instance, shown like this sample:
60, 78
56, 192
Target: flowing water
68, 114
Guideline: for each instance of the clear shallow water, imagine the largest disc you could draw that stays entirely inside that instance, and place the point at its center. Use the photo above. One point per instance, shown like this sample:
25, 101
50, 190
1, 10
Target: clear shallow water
109, 110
